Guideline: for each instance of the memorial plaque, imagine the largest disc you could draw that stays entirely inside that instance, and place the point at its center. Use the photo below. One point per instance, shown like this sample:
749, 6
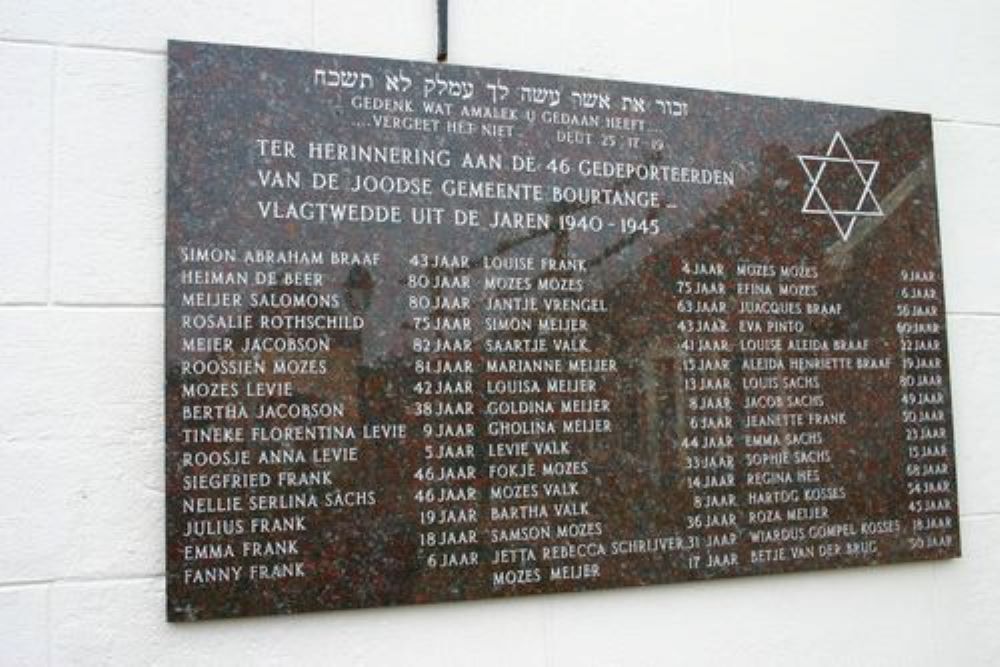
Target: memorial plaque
440, 333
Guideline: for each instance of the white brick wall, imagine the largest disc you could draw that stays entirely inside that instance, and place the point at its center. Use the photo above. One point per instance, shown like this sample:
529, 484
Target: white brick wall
26, 135
82, 96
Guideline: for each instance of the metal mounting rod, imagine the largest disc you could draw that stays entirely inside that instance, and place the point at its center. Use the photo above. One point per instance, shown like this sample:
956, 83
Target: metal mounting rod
442, 54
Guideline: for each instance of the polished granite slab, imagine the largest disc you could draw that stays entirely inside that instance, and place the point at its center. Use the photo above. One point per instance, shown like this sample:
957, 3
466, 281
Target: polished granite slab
437, 333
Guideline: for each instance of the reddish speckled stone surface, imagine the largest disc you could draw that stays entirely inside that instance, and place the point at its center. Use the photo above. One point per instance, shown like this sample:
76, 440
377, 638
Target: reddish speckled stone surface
764, 379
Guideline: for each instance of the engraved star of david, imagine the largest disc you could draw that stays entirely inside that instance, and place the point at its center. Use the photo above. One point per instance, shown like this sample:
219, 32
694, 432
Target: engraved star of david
816, 202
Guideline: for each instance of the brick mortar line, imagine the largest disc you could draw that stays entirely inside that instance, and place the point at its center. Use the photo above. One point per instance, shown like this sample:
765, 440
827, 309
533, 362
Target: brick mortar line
85, 47
80, 308
51, 208
29, 583
49, 625
967, 123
